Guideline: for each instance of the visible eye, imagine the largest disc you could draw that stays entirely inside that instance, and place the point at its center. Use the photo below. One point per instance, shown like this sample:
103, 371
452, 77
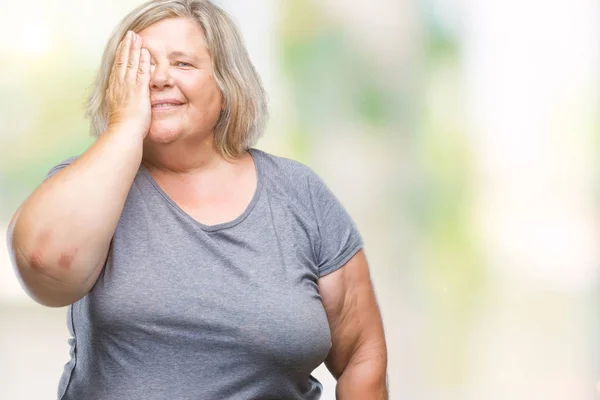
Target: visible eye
181, 62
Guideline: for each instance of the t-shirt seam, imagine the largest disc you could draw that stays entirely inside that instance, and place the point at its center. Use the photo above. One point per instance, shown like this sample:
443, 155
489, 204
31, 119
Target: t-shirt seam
318, 255
208, 229
341, 260
144, 204
303, 211
72, 370
54, 170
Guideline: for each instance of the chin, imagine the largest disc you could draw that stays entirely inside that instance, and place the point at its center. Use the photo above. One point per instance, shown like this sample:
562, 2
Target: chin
164, 134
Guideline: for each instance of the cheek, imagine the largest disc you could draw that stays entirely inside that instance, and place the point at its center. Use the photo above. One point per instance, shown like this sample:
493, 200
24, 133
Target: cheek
203, 93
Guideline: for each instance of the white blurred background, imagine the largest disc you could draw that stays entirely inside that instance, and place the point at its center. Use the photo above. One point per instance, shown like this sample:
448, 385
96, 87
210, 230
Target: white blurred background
462, 136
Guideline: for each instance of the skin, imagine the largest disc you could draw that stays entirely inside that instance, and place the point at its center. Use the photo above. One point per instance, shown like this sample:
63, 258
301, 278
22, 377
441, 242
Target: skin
55, 266
58, 268
180, 141
358, 356
178, 149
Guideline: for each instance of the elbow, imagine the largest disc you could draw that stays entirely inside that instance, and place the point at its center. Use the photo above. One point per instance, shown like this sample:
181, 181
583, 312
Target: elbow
39, 252
52, 302
46, 289
44, 281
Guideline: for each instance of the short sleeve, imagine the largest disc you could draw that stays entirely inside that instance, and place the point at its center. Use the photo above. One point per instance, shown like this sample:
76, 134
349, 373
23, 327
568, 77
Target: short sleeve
60, 166
339, 235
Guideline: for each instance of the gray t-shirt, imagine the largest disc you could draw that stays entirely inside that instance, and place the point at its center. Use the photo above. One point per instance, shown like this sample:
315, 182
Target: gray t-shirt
185, 311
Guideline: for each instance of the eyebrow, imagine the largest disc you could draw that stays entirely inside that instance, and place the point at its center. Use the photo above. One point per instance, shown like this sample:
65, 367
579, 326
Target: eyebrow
177, 53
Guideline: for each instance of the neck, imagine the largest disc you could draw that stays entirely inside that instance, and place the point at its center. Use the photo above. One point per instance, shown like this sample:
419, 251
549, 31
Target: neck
186, 156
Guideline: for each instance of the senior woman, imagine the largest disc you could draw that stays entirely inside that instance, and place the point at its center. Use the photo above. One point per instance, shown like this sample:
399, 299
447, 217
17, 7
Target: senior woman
193, 265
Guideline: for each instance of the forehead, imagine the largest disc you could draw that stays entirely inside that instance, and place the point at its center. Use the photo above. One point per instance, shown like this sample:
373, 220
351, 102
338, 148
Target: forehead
172, 35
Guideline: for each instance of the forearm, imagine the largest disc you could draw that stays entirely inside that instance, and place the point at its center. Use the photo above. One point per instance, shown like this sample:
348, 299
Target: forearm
64, 228
366, 380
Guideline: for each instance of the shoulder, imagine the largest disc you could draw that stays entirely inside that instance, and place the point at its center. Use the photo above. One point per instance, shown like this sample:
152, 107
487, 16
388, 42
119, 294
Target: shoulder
289, 168
285, 175
66, 161
62, 164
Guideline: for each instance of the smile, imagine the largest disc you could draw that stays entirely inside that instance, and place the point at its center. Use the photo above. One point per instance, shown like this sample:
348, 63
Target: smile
165, 106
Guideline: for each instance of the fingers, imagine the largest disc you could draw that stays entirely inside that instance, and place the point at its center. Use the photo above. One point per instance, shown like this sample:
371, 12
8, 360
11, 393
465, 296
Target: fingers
122, 58
113, 70
134, 57
143, 73
132, 62
127, 95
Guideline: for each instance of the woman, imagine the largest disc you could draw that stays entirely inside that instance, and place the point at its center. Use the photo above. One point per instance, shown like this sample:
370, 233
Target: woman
194, 265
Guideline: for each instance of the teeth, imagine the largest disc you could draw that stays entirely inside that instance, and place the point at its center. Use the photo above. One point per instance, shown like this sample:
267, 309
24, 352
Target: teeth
163, 105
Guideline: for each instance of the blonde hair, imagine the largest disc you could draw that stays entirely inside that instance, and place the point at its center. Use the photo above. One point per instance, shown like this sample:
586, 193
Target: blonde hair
244, 115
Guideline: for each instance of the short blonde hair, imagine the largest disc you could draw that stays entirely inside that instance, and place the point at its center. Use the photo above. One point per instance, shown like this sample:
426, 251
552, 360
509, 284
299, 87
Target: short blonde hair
245, 113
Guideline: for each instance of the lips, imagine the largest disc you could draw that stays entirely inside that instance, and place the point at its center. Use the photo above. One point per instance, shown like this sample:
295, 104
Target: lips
166, 103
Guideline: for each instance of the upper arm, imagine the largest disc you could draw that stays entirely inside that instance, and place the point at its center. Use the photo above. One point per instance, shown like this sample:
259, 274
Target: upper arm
41, 287
51, 173
353, 314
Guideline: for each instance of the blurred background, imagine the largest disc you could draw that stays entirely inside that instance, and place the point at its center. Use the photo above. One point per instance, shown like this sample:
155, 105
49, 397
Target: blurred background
461, 135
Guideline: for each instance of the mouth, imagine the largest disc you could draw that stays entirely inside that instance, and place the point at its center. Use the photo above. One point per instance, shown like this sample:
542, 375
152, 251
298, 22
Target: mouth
165, 106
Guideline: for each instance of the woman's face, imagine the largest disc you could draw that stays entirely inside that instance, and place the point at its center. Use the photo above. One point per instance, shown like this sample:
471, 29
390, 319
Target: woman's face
181, 70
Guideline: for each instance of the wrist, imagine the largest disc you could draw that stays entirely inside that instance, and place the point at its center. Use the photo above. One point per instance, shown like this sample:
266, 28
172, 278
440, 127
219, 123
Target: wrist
128, 130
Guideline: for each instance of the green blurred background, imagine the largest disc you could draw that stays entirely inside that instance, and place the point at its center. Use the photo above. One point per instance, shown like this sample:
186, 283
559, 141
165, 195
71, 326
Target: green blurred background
462, 137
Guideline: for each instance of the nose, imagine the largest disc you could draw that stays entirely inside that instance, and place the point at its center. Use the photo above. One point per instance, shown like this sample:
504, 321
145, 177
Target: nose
160, 77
